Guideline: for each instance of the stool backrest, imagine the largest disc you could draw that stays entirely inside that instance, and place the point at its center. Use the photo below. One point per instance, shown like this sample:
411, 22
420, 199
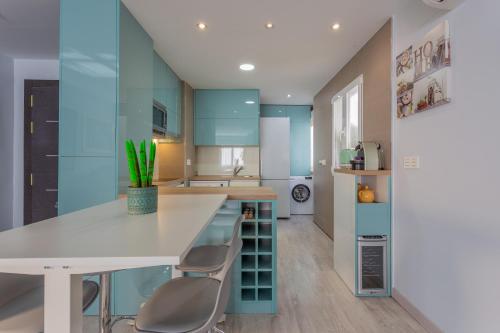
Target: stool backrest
225, 278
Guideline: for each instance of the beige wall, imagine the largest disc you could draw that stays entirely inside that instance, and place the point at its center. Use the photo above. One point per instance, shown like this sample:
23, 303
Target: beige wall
172, 157
373, 61
188, 121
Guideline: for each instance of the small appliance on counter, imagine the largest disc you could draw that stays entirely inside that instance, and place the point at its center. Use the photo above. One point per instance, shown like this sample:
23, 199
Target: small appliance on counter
369, 156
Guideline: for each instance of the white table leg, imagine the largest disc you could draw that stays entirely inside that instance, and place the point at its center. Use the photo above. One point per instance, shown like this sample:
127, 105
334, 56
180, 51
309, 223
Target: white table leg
63, 311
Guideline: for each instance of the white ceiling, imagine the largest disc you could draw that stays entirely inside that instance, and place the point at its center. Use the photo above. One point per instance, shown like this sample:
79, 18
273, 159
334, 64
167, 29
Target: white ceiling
298, 56
29, 28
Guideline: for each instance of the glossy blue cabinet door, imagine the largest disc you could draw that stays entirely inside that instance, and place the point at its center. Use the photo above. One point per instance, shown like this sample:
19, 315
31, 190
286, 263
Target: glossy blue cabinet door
88, 77
135, 119
226, 117
226, 132
227, 103
300, 139
231, 132
267, 110
204, 132
85, 182
168, 92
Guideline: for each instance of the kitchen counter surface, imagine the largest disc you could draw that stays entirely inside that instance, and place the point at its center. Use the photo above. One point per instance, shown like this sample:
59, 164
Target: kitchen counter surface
364, 172
233, 193
224, 177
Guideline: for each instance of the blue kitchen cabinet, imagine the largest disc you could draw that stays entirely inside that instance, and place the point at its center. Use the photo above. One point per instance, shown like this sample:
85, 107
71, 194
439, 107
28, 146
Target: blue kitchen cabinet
88, 78
204, 133
227, 117
135, 119
168, 92
227, 103
300, 139
267, 110
236, 131
226, 132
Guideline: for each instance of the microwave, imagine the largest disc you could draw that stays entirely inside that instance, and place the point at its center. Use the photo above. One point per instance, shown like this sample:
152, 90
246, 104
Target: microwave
159, 119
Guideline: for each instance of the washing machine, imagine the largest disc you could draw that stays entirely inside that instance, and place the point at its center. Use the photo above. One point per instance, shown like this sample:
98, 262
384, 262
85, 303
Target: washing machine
301, 192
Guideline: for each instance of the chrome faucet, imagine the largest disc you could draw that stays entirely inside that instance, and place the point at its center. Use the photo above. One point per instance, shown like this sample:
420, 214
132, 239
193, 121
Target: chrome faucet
237, 170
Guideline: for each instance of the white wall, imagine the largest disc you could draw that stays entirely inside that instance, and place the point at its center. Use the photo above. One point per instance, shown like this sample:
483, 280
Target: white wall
6, 147
25, 69
446, 222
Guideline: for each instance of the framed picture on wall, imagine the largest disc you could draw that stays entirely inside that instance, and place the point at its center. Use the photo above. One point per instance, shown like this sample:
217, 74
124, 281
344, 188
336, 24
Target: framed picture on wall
423, 73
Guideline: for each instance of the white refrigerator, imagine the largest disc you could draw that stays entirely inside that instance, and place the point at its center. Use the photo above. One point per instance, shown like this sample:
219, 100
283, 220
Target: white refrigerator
275, 160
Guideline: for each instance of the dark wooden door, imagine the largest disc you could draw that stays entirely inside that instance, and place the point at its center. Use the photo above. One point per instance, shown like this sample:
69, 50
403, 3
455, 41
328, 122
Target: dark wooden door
41, 153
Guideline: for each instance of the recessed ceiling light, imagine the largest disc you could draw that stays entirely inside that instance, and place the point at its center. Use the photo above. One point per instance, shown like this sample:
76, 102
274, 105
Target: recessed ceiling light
250, 102
247, 67
269, 25
288, 96
336, 26
201, 26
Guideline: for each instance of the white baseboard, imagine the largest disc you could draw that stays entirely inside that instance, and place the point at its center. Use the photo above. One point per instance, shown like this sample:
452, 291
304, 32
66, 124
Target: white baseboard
428, 324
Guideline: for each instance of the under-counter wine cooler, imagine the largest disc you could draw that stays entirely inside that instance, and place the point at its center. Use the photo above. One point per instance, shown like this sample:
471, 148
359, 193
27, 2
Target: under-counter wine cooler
372, 265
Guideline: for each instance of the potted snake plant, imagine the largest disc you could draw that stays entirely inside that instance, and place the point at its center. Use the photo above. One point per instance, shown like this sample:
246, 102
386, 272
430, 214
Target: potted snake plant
142, 195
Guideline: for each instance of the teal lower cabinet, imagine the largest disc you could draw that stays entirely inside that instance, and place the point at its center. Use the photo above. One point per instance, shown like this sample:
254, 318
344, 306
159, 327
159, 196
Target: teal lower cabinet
254, 288
362, 232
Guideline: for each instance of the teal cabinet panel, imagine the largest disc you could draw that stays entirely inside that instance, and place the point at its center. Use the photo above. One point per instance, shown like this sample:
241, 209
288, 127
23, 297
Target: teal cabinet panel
373, 219
227, 103
204, 133
135, 119
133, 287
267, 110
225, 117
168, 92
88, 77
85, 182
300, 140
300, 134
244, 132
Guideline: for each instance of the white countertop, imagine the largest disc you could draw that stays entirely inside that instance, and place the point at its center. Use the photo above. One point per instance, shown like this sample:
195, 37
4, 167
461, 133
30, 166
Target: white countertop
106, 236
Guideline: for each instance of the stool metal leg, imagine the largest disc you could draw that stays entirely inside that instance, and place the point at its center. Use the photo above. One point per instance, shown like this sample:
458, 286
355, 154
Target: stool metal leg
105, 304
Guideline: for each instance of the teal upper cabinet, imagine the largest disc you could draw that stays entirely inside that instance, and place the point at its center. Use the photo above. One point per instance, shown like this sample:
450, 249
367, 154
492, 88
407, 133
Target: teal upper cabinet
168, 92
88, 78
267, 110
300, 134
227, 117
227, 103
136, 89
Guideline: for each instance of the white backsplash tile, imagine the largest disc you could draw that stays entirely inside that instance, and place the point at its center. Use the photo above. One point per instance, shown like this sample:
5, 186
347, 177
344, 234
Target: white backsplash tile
209, 161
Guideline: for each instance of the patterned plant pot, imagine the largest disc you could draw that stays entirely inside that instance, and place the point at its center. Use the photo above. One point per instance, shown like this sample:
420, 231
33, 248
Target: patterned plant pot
142, 200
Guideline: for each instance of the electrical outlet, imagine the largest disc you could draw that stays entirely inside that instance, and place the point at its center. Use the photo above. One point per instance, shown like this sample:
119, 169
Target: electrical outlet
411, 162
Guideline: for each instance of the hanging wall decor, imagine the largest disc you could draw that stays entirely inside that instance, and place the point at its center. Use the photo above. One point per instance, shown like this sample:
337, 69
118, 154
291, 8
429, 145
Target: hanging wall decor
423, 73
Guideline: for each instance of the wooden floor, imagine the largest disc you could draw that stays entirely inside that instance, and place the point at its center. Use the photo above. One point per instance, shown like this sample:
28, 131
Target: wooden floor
312, 298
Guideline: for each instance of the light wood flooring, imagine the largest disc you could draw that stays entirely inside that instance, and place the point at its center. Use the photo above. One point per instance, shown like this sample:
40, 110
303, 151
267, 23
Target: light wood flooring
311, 296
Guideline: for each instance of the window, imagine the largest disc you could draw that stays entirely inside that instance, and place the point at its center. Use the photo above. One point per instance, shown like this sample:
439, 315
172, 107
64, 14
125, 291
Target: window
347, 115
232, 156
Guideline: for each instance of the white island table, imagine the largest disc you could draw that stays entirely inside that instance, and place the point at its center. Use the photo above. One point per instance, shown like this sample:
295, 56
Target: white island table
103, 238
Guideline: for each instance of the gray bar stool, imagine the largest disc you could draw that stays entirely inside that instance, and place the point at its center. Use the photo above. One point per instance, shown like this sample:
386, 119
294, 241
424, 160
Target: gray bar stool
21, 302
189, 304
209, 258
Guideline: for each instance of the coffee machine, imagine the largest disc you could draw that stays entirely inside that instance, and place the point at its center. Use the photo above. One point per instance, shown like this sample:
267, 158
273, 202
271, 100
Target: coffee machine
371, 154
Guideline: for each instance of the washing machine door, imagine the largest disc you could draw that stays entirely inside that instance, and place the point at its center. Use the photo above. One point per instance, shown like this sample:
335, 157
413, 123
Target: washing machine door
301, 193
